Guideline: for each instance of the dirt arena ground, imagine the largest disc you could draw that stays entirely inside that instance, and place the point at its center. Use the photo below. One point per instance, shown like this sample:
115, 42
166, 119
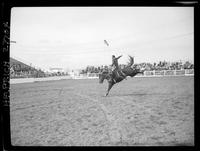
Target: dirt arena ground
155, 111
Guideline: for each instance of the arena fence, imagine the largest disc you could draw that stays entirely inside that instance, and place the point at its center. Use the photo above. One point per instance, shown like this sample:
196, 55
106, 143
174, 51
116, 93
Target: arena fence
188, 72
30, 80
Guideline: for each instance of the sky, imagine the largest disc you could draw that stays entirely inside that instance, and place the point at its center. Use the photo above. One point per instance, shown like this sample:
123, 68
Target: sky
73, 37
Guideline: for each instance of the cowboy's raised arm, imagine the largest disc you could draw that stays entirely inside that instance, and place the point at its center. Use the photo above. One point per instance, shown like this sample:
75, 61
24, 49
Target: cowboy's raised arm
119, 57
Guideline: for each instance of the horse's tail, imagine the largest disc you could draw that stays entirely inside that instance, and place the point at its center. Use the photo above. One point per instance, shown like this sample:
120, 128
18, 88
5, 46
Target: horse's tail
131, 61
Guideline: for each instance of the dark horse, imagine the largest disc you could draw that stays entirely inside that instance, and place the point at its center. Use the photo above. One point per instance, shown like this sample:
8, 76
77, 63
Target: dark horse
128, 71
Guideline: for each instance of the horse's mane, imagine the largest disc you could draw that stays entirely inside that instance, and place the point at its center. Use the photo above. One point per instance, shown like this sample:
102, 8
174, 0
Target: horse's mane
131, 61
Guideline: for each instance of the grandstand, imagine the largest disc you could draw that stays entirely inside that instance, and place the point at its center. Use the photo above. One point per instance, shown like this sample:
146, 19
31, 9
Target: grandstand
19, 69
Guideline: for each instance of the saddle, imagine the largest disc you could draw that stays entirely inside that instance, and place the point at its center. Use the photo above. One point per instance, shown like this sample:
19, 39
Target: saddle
117, 73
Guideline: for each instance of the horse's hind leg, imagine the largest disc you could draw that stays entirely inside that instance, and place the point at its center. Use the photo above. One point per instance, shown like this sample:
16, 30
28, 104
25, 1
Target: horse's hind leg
109, 87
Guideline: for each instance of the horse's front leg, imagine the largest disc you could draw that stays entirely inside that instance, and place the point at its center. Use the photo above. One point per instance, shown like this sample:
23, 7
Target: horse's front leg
110, 84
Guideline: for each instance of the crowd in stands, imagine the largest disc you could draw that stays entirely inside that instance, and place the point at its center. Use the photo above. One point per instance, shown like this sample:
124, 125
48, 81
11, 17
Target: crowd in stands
23, 71
33, 73
162, 65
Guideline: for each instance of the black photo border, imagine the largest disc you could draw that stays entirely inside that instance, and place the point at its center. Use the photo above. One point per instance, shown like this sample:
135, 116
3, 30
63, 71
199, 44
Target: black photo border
6, 6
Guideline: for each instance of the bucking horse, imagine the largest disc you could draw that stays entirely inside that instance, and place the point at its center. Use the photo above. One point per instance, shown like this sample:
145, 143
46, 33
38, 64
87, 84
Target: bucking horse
127, 71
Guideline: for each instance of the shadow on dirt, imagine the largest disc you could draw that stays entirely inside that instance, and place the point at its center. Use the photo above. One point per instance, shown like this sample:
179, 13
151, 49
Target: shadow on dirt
138, 94
129, 94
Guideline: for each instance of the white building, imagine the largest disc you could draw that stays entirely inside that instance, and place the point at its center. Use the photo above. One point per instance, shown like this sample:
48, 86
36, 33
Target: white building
56, 70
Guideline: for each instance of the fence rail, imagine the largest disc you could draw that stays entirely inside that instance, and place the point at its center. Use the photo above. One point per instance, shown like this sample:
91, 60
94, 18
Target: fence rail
186, 72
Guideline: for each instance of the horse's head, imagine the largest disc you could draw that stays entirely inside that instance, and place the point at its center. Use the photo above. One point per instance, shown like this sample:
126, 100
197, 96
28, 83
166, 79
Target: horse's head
102, 77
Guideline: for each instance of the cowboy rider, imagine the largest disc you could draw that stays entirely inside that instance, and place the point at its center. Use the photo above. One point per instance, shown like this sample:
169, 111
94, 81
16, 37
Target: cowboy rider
116, 66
